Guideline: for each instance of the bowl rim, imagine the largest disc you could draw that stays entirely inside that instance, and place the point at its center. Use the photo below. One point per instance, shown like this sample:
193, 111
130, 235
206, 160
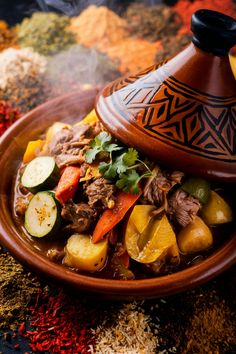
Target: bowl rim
182, 280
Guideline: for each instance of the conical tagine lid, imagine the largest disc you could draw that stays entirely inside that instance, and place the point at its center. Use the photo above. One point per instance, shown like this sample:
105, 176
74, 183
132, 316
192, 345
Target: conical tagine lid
182, 113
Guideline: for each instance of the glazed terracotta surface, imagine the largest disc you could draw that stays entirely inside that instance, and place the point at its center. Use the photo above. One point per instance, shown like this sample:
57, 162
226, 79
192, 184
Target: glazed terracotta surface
181, 112
12, 146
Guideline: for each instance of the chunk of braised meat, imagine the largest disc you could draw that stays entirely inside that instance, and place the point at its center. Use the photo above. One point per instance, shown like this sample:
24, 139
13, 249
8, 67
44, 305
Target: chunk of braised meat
81, 215
21, 205
55, 255
183, 207
101, 193
96, 128
159, 185
67, 146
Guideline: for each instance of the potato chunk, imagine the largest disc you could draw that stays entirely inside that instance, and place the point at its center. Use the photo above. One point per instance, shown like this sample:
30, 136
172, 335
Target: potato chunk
148, 238
216, 211
195, 237
82, 254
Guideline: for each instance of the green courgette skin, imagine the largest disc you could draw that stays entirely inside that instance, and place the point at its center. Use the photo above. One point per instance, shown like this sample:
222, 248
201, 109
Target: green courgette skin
49, 183
32, 227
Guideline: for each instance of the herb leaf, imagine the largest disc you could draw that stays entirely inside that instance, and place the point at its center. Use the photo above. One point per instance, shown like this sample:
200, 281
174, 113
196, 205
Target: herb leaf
122, 166
130, 157
129, 182
100, 144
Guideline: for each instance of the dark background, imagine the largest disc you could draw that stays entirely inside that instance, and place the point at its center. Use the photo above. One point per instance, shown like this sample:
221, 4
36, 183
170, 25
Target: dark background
13, 11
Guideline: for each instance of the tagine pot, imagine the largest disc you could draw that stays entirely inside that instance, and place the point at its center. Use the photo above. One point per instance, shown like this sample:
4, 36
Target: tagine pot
182, 112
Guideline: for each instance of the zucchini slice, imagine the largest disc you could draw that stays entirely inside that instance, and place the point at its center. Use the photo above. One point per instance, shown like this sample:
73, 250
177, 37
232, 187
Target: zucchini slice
43, 215
40, 174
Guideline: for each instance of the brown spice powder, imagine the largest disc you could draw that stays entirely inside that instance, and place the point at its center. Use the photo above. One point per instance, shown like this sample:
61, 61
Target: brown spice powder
212, 327
17, 287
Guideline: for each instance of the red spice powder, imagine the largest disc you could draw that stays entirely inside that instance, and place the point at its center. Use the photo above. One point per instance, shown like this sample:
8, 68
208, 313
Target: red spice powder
185, 9
8, 115
60, 324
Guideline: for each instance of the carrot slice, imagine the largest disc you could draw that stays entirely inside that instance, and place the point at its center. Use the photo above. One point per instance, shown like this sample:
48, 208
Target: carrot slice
68, 184
111, 217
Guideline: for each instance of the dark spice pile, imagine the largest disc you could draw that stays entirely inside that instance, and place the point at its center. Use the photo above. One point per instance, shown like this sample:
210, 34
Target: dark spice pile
200, 321
152, 23
173, 46
8, 115
17, 288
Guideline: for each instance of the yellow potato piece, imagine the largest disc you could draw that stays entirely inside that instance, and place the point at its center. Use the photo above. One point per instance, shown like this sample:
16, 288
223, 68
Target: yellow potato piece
195, 237
158, 237
90, 118
216, 211
82, 254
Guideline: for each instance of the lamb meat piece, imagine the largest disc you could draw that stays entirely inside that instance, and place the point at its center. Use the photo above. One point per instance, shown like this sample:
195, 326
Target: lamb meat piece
65, 140
71, 158
100, 193
176, 176
158, 187
81, 215
21, 205
60, 138
183, 207
78, 131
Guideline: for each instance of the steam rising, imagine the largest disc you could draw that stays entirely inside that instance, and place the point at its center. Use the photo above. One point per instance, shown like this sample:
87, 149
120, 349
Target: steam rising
78, 67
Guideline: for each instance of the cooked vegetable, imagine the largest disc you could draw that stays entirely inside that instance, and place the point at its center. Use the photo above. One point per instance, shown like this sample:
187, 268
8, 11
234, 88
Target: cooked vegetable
81, 253
33, 148
198, 188
216, 211
68, 184
111, 217
90, 118
195, 237
40, 174
43, 215
148, 238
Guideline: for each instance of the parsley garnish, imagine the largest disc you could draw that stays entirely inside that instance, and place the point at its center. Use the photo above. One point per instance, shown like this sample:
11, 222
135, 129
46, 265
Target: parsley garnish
121, 166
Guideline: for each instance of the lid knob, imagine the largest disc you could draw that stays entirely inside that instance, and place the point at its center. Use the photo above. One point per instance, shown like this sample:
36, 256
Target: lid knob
213, 31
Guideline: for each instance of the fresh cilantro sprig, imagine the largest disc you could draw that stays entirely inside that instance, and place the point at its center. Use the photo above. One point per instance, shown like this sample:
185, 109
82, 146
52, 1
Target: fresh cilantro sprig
101, 143
121, 166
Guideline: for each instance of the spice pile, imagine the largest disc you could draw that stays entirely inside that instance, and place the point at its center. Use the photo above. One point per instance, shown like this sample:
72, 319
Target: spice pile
113, 37
152, 23
100, 27
45, 32
21, 78
126, 331
8, 115
61, 323
17, 288
185, 9
7, 36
